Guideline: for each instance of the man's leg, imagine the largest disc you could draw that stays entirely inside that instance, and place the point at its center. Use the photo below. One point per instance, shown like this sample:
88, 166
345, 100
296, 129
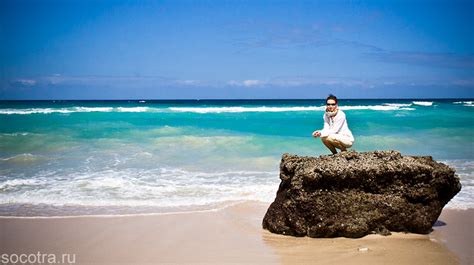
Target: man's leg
338, 144
339, 141
329, 145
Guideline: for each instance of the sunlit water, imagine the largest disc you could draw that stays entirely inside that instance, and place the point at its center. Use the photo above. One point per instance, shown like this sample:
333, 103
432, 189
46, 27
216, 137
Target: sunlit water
118, 157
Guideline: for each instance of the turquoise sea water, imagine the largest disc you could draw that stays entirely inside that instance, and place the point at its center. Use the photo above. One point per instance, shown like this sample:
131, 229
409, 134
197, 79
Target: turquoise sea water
118, 157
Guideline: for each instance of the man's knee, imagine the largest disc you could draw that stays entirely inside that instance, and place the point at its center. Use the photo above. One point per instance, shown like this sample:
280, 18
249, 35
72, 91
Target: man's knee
324, 139
339, 141
331, 138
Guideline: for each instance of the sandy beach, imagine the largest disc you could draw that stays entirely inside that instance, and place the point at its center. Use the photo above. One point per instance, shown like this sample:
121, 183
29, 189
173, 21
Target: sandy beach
230, 235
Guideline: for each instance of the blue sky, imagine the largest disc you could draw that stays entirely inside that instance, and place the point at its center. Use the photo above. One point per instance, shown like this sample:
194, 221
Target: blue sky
236, 49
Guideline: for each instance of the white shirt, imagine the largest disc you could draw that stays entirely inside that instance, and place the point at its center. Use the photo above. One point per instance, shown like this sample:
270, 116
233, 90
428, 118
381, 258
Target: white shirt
336, 125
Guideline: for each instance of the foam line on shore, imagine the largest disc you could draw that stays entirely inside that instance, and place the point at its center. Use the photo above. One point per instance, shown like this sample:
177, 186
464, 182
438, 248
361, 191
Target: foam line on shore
134, 214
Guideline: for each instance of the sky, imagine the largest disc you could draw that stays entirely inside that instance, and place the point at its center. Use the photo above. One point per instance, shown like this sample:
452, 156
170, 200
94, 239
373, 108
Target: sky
110, 49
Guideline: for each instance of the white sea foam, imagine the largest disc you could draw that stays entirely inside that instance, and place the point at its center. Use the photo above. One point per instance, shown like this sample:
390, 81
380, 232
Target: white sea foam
53, 110
74, 110
26, 157
423, 103
133, 109
465, 170
165, 187
203, 110
375, 107
34, 111
243, 109
91, 109
18, 184
465, 103
397, 105
15, 134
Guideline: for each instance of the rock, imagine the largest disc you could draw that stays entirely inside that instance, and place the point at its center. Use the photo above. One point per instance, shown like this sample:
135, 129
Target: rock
353, 194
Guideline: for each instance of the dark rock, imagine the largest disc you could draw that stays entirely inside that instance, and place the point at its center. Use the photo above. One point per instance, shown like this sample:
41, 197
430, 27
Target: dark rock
354, 194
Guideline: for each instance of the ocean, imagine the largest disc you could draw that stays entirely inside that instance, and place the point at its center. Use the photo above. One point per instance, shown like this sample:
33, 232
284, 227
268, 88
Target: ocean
69, 158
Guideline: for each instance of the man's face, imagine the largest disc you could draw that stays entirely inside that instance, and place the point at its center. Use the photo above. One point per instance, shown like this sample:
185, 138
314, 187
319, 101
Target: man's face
331, 105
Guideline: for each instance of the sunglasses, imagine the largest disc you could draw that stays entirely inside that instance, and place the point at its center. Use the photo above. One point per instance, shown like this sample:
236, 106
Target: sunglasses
331, 104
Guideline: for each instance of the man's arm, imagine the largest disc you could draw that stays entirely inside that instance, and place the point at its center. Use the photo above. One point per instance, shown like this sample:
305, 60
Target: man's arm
337, 125
318, 133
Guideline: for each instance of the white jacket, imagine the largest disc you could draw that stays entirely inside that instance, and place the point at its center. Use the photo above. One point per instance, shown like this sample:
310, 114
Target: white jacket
336, 125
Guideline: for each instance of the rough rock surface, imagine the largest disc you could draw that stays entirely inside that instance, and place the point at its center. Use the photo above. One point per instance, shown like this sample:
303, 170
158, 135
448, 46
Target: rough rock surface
354, 194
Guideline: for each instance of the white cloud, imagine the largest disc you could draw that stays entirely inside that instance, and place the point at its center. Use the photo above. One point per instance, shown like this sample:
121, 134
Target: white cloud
247, 83
431, 59
463, 82
57, 79
253, 82
315, 81
298, 81
26, 82
189, 82
283, 82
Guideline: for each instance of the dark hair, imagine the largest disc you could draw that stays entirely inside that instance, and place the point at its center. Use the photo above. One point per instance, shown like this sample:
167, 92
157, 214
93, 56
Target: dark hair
331, 96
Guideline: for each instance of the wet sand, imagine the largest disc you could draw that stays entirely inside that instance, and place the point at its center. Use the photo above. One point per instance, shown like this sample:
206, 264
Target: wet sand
230, 235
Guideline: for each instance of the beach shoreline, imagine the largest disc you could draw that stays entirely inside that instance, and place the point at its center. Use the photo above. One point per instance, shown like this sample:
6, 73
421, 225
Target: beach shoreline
454, 229
230, 235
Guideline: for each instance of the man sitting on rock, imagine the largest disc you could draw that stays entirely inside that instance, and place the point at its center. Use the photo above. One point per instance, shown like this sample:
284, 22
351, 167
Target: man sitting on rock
336, 133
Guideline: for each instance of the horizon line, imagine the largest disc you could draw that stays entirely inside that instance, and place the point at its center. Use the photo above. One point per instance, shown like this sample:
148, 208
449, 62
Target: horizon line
239, 99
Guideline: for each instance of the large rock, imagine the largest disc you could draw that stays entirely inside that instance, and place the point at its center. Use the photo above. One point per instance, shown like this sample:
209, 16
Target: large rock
354, 194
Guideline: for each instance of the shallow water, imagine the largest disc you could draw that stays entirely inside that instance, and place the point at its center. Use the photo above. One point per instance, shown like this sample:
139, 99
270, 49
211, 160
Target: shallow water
92, 157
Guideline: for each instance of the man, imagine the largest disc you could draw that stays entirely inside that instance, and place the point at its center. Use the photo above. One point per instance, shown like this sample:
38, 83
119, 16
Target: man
336, 133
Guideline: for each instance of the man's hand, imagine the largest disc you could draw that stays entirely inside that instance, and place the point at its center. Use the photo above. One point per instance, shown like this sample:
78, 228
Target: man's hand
316, 134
